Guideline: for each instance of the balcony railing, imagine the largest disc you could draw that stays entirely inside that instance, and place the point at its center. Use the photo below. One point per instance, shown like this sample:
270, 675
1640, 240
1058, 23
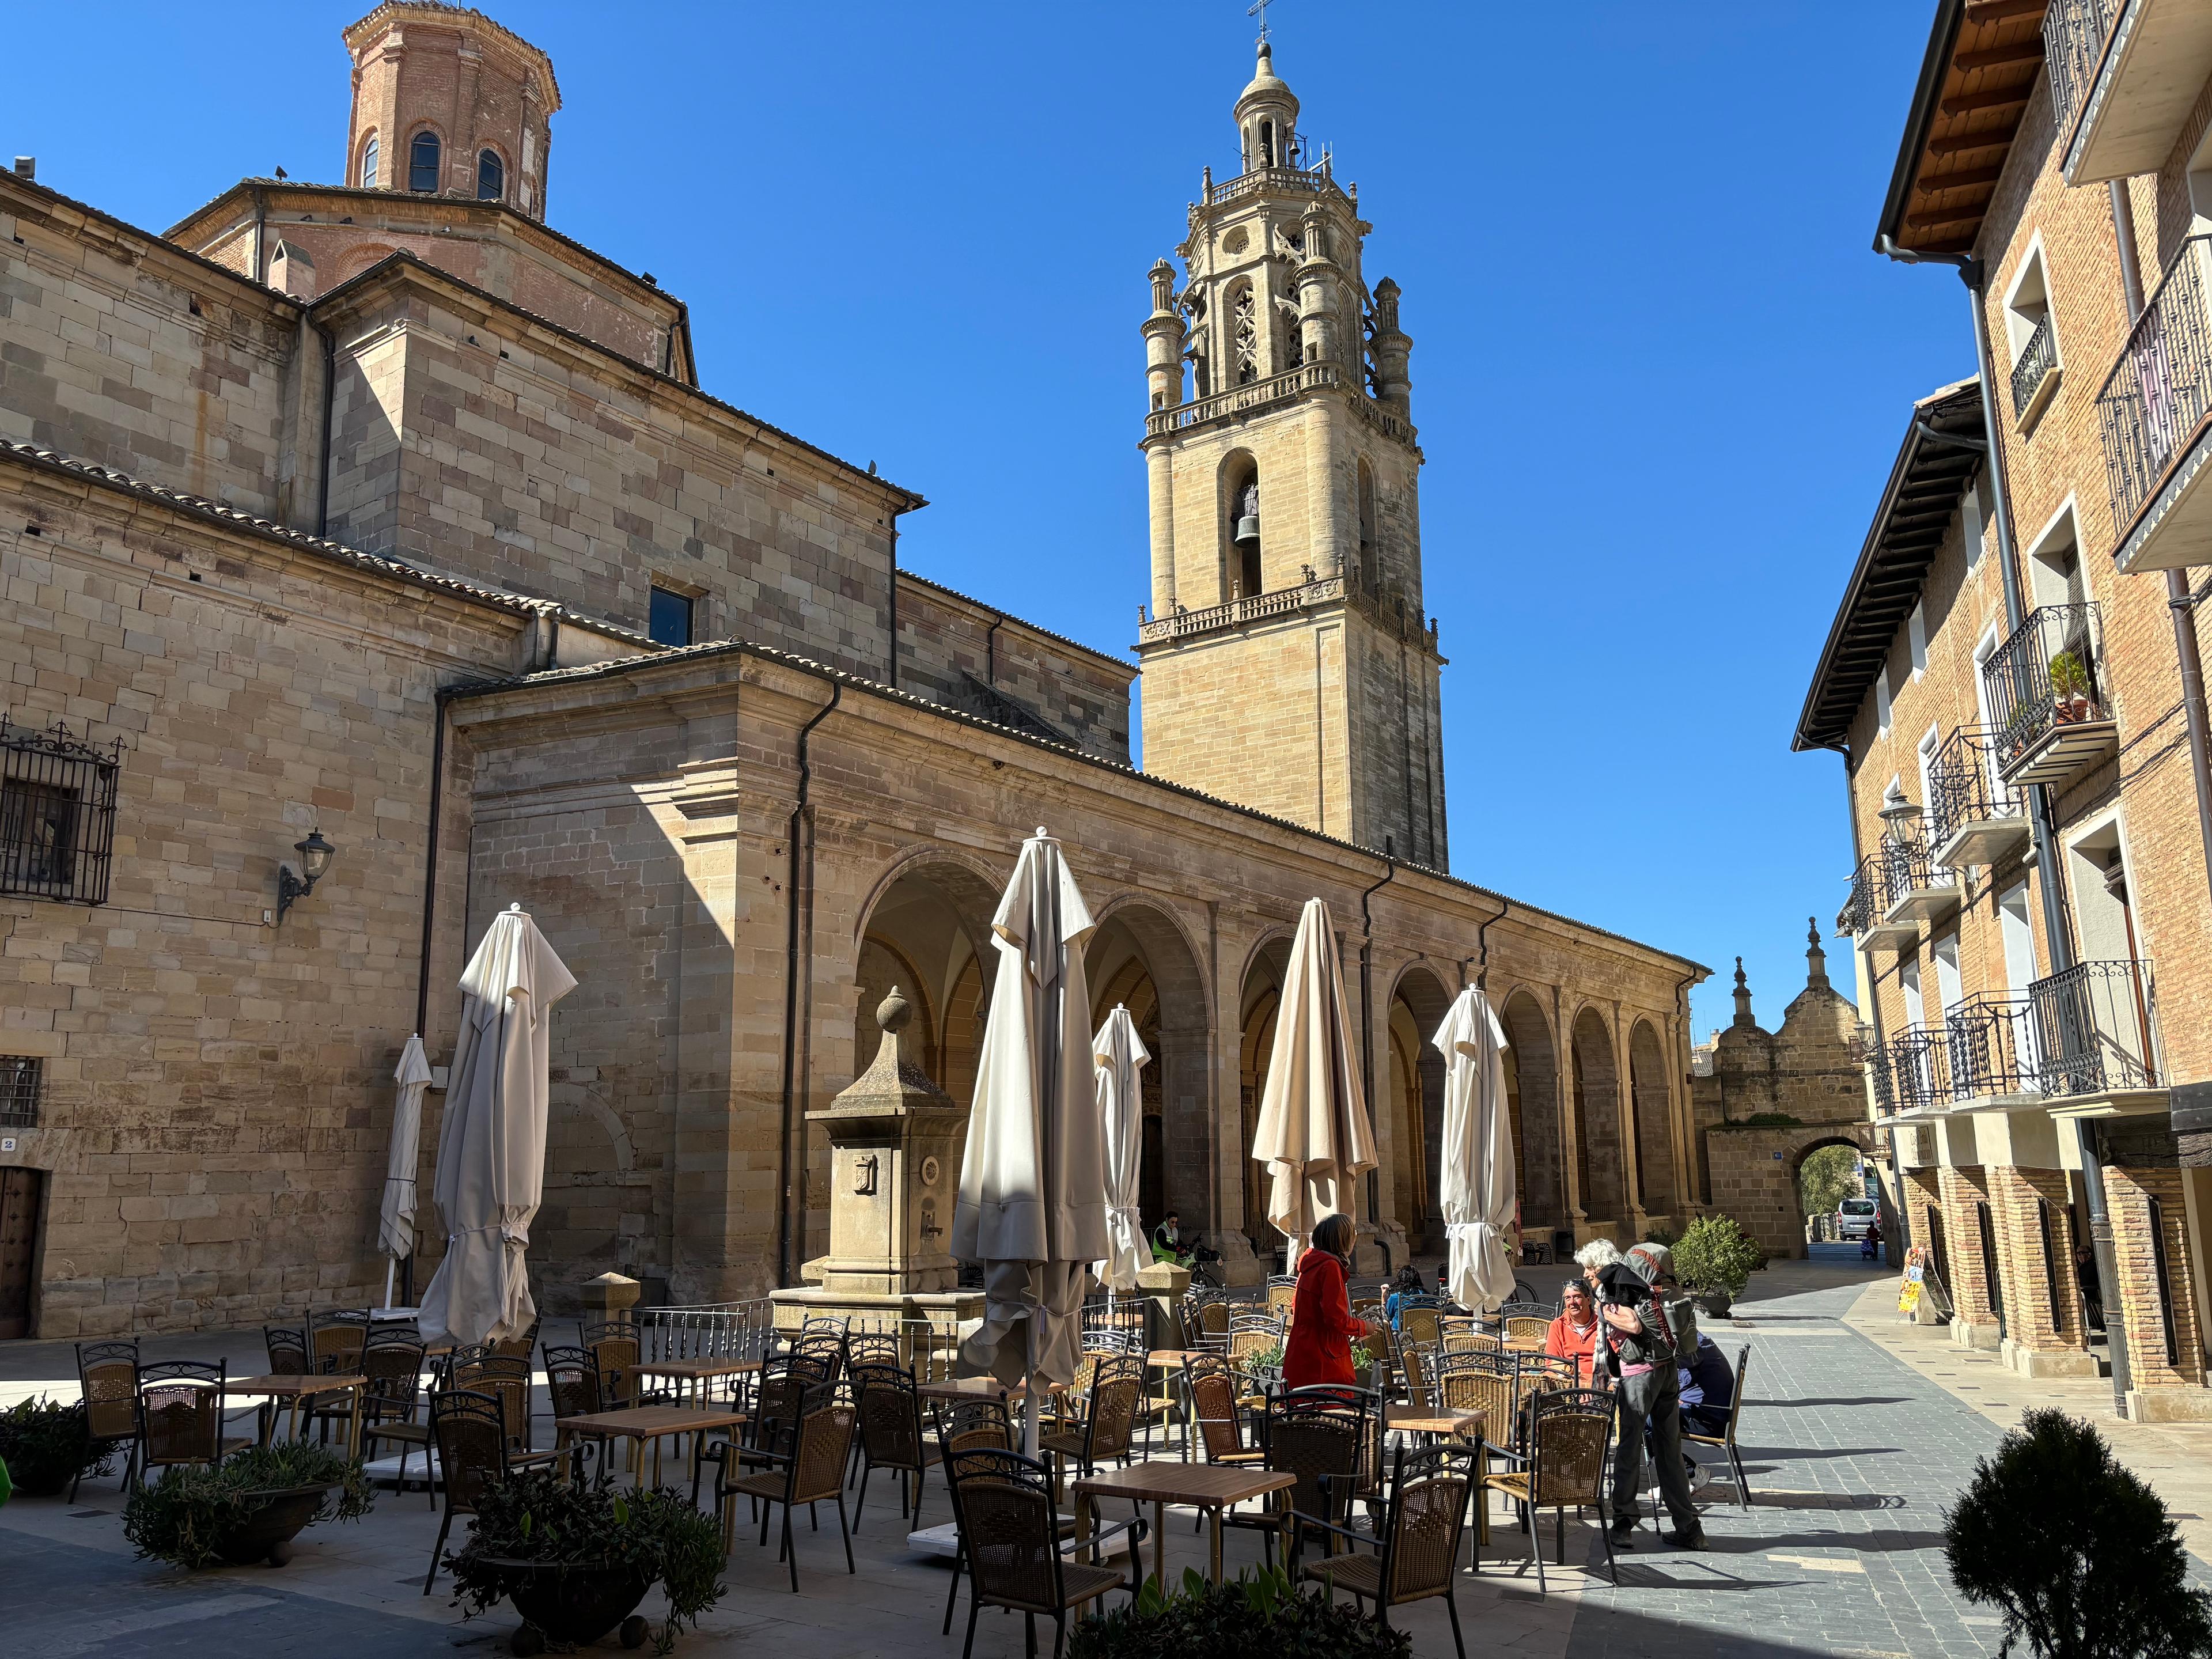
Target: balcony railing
1256, 394
2160, 390
1318, 179
1974, 818
1900, 868
2096, 1028
2045, 694
1984, 1050
2089, 1030
1257, 608
2073, 36
2038, 359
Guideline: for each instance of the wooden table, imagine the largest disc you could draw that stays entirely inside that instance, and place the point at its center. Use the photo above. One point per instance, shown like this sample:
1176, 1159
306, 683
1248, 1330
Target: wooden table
653, 1423
301, 1390
1209, 1487
698, 1372
1172, 1360
970, 1387
1471, 1426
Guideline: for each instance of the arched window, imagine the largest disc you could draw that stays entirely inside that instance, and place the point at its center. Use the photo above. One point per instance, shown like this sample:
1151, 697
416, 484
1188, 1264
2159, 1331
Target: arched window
369, 163
1246, 321
422, 157
491, 176
1241, 562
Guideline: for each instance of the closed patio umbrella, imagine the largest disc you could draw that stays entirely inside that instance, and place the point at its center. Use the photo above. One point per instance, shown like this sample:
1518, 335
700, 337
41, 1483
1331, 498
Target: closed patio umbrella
491, 1148
1121, 1056
1032, 1207
1476, 1182
1313, 1132
395, 1221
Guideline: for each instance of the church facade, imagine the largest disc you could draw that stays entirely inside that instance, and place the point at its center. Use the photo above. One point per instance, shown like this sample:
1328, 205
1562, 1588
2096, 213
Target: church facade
379, 515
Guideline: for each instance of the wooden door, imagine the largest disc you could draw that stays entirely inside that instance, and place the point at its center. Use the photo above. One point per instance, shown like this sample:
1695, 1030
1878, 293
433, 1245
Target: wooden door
20, 1191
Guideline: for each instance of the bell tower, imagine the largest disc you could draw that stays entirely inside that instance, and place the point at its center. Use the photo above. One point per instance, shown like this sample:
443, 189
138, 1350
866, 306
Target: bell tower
1288, 664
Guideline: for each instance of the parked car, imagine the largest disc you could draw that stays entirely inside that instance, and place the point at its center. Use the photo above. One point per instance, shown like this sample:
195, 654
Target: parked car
1853, 1217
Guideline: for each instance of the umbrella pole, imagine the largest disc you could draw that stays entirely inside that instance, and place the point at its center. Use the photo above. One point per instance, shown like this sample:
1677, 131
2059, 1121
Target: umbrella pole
391, 1266
1030, 1416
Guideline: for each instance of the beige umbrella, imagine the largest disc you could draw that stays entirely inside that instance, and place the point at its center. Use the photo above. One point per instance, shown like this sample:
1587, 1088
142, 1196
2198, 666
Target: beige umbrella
1313, 1132
1121, 1056
1475, 1186
491, 1148
1032, 1207
395, 1221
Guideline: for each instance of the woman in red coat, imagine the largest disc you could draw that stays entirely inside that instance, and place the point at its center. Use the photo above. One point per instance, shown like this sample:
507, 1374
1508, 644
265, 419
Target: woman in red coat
1322, 1329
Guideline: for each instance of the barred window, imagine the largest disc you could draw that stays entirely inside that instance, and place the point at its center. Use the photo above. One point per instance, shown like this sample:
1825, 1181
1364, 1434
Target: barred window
57, 813
19, 1092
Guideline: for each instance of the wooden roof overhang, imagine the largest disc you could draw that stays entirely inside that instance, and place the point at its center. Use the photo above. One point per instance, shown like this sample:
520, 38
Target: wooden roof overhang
1983, 64
1923, 494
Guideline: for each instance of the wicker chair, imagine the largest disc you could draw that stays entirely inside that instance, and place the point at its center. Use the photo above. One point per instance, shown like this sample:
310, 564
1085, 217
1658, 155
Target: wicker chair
181, 1415
1416, 1556
1206, 1320
571, 1386
890, 1436
771, 1431
469, 1433
1527, 1321
287, 1349
516, 1347
1418, 1361
966, 1425
1570, 1436
1726, 1439
335, 1341
873, 1348
1417, 1321
1108, 1426
507, 1380
813, 1472
825, 1346
107, 1373
616, 1351
1010, 1530
392, 1362
1485, 1383
1252, 1334
1282, 1296
1212, 1389
1320, 1437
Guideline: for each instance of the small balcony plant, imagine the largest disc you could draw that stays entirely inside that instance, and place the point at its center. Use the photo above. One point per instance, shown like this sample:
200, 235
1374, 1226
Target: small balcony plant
2070, 689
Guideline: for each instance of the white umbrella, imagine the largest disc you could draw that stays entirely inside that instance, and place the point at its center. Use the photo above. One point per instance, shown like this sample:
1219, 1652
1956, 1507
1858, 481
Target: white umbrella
1476, 1184
395, 1221
1313, 1132
1121, 1055
1032, 1207
491, 1148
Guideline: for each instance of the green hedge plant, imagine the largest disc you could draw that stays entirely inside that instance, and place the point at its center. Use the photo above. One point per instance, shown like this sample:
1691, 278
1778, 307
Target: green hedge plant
43, 1443
185, 1516
1260, 1615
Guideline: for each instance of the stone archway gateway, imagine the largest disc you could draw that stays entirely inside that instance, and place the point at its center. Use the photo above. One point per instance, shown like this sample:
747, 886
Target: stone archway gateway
1755, 1167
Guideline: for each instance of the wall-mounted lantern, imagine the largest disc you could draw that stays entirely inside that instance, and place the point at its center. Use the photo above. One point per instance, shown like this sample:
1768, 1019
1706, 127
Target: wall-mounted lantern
315, 855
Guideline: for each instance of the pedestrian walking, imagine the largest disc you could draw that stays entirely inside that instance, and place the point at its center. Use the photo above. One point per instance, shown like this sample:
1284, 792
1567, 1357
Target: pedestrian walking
1637, 1350
1323, 1328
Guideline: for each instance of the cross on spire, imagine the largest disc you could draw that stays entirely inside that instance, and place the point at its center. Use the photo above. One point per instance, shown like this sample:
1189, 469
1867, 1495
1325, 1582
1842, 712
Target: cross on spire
1259, 9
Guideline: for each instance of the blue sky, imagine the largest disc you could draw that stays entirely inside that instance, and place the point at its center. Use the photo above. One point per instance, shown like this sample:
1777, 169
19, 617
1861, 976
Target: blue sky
1658, 375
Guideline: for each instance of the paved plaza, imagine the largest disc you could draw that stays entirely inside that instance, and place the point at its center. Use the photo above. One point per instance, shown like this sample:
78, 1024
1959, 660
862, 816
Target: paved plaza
1853, 1452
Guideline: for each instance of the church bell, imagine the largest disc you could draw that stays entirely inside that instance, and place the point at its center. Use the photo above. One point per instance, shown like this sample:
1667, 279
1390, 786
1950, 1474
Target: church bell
1248, 528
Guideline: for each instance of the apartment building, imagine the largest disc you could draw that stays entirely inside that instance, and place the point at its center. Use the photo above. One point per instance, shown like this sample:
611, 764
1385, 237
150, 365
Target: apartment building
2012, 680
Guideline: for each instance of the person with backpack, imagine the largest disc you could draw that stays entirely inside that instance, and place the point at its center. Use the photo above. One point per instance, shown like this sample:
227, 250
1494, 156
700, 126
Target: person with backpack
1639, 1351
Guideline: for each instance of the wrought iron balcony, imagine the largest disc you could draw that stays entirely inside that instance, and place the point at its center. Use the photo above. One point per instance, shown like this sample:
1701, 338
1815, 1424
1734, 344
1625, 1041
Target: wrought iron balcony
2035, 375
1894, 889
2153, 414
2073, 36
2045, 694
1974, 818
1984, 1053
2096, 1028
2089, 1032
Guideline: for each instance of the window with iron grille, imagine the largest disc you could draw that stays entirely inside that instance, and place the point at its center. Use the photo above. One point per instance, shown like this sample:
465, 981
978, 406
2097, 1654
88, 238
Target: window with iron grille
57, 813
19, 1092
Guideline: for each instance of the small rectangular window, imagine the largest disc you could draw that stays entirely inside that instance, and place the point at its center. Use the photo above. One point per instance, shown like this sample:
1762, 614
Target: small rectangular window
1881, 703
1916, 638
19, 1092
671, 622
57, 814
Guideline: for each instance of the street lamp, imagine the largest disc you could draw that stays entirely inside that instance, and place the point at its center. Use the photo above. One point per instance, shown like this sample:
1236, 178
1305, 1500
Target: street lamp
315, 855
1903, 818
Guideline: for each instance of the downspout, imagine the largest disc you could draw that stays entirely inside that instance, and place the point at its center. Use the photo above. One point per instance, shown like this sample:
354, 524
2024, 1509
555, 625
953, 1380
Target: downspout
1367, 1036
2187, 657
2057, 942
323, 438
1482, 945
430, 904
260, 232
783, 1226
894, 662
991, 653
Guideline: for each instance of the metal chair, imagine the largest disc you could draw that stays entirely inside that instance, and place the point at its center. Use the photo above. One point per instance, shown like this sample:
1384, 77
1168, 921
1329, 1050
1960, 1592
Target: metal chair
1108, 1425
469, 1432
827, 1346
506, 1379
107, 1373
1417, 1547
287, 1349
1251, 1336
1320, 1437
890, 1436
1485, 1383
392, 1362
770, 1431
181, 1415
966, 1425
1282, 1296
1418, 1321
1527, 1321
1569, 1436
1009, 1528
813, 1472
1206, 1320
1417, 1361
616, 1352
519, 1346
571, 1385
335, 1340
873, 1348
1212, 1389
1726, 1439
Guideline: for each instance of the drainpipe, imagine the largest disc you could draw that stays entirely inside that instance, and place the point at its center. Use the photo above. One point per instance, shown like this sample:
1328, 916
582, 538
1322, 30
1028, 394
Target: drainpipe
1482, 945
2186, 655
1367, 1036
429, 905
894, 653
791, 970
260, 229
323, 438
2057, 941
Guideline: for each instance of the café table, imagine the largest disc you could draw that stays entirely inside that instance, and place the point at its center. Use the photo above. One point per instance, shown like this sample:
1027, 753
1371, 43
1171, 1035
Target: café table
1210, 1488
696, 1372
1171, 1360
653, 1423
300, 1391
1470, 1426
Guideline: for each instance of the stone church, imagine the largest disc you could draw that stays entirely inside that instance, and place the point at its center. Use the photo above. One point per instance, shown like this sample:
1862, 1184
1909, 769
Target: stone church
376, 533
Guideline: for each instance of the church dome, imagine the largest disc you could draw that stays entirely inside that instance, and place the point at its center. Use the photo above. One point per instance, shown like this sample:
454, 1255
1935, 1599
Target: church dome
1266, 86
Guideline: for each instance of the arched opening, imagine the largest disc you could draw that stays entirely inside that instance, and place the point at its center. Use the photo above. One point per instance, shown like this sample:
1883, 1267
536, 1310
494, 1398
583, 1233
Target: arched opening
1371, 573
1829, 1174
1240, 526
1140, 959
1598, 1164
1650, 1097
422, 158
1266, 143
369, 153
1532, 1095
1258, 1002
491, 176
1417, 1106
927, 934
1244, 333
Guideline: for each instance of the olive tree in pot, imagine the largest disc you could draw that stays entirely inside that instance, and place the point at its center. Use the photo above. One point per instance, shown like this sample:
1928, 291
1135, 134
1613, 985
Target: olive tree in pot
248, 1508
43, 1443
1715, 1261
576, 1557
2077, 1552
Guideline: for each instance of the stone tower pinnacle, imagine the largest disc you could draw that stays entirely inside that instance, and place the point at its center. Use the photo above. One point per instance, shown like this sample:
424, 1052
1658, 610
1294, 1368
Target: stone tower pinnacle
1289, 664
1742, 997
1816, 959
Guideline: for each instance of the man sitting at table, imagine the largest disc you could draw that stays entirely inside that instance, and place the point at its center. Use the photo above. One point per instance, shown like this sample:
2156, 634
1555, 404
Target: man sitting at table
1573, 1334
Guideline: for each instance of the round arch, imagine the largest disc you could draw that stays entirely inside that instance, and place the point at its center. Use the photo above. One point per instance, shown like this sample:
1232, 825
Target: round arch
1259, 995
1532, 1095
1240, 566
1650, 1094
924, 926
1140, 957
1599, 1168
1415, 1093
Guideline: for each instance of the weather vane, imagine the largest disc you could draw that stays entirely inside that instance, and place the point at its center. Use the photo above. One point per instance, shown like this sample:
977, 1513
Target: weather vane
1259, 9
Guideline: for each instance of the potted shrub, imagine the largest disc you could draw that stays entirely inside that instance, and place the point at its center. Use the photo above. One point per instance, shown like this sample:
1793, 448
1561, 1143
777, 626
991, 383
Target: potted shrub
2077, 1552
1266, 1365
1363, 1365
248, 1508
1259, 1615
1715, 1261
576, 1557
2069, 689
43, 1443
